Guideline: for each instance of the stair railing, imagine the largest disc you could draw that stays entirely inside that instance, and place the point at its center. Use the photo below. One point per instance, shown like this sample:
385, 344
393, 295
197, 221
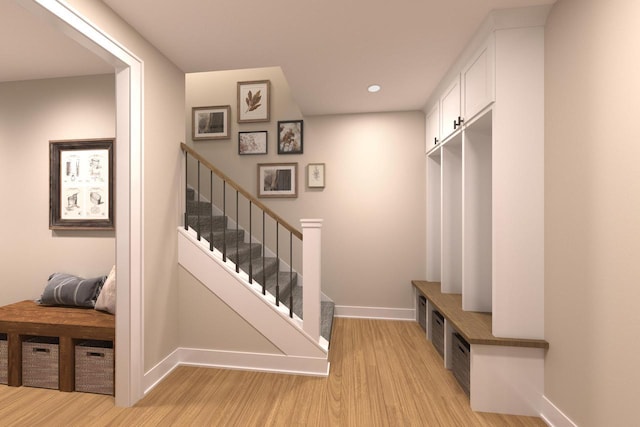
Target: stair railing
252, 202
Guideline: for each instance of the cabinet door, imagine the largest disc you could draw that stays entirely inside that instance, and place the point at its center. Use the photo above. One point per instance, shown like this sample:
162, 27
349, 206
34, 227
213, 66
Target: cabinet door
432, 127
450, 109
478, 80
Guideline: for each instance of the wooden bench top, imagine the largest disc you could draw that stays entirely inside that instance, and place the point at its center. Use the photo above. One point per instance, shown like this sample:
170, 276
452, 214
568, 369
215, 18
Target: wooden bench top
30, 318
475, 327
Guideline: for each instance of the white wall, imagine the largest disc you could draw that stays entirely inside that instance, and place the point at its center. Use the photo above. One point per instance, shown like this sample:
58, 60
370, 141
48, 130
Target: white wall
373, 206
163, 130
374, 200
592, 211
31, 114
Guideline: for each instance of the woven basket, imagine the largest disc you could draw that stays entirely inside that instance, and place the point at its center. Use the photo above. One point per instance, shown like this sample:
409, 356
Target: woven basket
4, 354
437, 331
461, 361
40, 362
94, 367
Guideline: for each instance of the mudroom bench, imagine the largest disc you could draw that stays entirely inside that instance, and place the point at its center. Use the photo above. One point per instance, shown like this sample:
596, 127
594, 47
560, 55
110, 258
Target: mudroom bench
489, 369
26, 319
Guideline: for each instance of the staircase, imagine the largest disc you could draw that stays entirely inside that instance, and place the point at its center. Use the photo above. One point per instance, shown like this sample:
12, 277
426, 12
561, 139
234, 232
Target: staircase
249, 256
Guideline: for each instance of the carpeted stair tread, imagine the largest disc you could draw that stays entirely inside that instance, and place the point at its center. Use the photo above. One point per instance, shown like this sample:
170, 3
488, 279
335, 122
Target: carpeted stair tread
243, 252
194, 207
327, 309
219, 221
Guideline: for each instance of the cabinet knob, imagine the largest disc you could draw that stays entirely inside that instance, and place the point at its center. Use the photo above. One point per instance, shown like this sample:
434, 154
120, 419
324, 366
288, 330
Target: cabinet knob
455, 124
435, 141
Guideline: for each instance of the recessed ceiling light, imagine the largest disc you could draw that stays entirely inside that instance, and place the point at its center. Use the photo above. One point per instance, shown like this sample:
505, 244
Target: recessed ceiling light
374, 88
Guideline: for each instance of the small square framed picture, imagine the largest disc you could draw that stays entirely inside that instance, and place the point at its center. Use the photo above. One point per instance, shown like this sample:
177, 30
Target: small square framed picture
290, 134
315, 175
211, 122
252, 142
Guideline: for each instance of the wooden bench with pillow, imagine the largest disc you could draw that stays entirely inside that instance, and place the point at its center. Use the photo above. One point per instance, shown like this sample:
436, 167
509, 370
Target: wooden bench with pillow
70, 324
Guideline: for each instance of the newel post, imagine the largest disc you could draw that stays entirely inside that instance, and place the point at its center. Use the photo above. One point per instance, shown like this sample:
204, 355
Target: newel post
311, 267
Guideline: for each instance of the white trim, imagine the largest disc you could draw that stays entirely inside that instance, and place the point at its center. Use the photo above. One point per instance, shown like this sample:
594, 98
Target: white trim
220, 278
553, 416
260, 362
129, 189
263, 362
382, 313
159, 372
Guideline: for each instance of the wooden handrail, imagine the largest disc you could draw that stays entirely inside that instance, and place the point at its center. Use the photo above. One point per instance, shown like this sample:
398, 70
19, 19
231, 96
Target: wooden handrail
241, 190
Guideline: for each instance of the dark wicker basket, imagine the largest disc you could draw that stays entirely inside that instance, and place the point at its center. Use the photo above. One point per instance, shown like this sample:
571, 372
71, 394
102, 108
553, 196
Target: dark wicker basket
461, 361
437, 331
40, 362
95, 367
4, 354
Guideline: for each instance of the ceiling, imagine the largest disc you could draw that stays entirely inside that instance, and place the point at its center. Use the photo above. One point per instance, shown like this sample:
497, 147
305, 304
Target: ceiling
329, 50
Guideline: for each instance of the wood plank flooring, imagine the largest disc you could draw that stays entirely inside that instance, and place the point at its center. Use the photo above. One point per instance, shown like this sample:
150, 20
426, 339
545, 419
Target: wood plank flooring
383, 373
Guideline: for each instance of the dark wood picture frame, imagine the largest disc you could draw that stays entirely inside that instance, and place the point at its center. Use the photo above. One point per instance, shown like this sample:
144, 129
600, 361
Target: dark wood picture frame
81, 184
290, 137
253, 142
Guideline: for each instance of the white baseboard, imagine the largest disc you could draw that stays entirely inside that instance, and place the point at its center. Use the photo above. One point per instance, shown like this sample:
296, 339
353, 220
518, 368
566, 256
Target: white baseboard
160, 371
553, 416
274, 363
382, 313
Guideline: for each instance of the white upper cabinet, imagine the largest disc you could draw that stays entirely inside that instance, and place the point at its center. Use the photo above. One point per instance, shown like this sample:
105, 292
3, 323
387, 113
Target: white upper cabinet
432, 126
478, 80
450, 109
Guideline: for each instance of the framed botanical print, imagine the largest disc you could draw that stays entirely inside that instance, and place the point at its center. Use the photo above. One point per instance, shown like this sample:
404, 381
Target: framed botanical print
253, 101
315, 175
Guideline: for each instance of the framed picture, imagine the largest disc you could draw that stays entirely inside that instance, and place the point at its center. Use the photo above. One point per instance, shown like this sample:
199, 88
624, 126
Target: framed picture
211, 122
81, 184
277, 180
290, 137
253, 101
315, 175
252, 142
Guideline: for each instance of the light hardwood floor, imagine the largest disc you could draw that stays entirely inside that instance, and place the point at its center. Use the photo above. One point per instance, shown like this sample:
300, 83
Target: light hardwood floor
383, 373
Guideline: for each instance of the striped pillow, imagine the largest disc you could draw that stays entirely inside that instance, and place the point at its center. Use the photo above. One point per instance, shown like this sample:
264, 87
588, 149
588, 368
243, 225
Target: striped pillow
65, 289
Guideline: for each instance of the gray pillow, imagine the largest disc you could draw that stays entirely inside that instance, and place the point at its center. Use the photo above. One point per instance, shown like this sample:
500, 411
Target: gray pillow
65, 289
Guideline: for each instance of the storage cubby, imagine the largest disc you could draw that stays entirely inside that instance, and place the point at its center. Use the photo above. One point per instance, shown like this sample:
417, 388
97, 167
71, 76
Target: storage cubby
452, 215
434, 171
477, 241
